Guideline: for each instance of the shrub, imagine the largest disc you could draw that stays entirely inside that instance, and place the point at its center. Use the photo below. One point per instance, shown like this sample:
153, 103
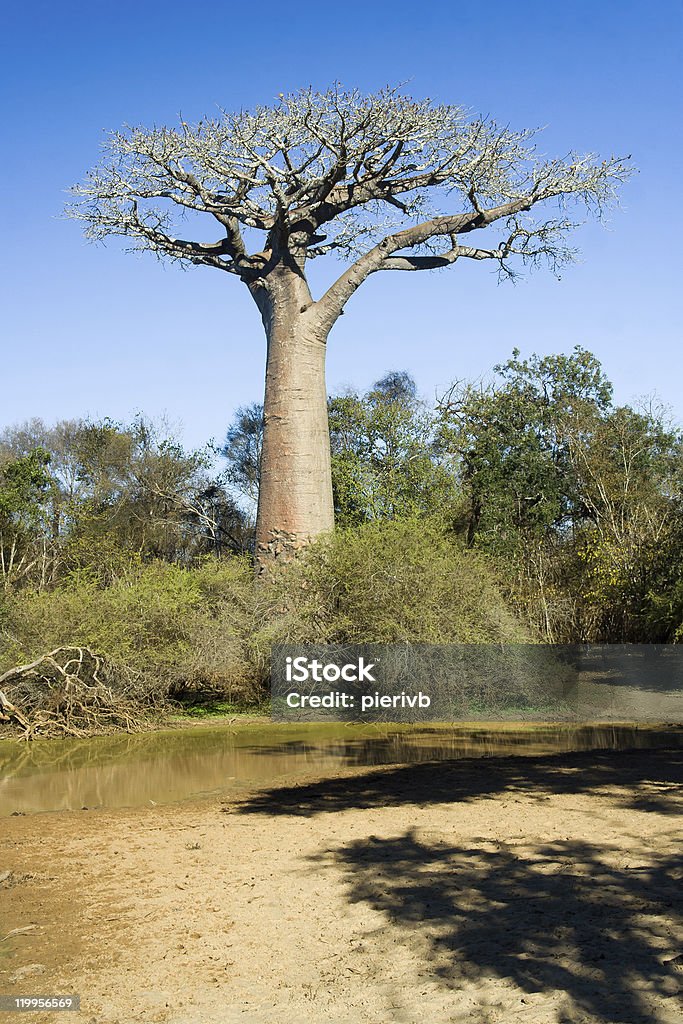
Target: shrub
402, 581
175, 625
210, 628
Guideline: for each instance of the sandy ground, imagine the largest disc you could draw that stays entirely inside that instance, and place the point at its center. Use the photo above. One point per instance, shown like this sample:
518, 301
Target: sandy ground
544, 890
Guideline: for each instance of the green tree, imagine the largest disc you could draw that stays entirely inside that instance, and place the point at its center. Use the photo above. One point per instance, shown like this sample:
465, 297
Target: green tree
119, 491
242, 450
573, 495
24, 485
511, 441
385, 461
629, 480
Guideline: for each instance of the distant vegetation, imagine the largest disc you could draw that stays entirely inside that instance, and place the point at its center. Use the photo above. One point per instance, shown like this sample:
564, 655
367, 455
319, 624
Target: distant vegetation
525, 507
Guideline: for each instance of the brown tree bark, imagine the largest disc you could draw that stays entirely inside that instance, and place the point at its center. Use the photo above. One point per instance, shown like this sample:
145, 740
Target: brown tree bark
295, 492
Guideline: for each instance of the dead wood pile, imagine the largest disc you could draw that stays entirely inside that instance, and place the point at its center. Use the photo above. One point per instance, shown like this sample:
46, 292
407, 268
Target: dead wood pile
72, 691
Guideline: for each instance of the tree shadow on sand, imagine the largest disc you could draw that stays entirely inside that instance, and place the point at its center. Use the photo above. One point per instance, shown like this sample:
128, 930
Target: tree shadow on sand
589, 927
558, 918
646, 780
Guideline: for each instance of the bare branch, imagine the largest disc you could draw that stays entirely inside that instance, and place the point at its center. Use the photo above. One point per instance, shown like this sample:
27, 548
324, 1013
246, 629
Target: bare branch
443, 260
336, 297
379, 170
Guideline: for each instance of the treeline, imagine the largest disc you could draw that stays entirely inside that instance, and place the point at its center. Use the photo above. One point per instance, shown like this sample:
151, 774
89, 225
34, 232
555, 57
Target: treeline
528, 506
83, 496
576, 502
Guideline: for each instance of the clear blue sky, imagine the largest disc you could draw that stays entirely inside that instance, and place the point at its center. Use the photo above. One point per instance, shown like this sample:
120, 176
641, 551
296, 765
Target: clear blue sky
92, 330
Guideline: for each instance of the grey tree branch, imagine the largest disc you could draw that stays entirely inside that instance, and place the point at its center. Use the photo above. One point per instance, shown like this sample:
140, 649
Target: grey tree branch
444, 260
369, 169
338, 294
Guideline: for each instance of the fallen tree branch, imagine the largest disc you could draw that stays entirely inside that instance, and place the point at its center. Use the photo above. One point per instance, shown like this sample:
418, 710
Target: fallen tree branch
72, 691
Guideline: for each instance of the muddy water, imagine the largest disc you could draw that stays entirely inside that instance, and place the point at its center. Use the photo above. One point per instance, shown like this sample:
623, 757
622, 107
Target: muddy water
165, 767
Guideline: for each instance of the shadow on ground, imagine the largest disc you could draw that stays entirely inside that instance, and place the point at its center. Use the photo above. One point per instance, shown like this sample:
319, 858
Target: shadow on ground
647, 780
577, 930
587, 932
558, 918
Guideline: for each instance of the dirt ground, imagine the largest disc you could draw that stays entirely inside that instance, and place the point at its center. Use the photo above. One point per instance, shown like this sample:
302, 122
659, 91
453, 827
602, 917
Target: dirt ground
539, 890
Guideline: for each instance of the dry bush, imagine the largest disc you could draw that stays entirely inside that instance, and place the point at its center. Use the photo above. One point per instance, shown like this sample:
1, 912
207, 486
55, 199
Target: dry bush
74, 692
178, 630
209, 630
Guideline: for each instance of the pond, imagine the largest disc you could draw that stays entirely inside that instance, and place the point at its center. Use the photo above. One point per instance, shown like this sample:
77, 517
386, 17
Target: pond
169, 766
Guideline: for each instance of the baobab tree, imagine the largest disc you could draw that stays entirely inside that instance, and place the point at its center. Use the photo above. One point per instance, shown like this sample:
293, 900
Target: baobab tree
382, 182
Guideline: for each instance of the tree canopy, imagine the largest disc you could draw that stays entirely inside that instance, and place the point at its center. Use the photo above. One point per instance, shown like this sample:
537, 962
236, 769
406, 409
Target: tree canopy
338, 171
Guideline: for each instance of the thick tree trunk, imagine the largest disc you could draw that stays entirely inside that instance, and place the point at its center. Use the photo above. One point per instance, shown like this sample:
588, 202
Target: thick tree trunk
295, 491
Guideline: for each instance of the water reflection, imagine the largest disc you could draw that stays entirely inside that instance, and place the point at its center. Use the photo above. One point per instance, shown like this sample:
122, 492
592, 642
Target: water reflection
164, 767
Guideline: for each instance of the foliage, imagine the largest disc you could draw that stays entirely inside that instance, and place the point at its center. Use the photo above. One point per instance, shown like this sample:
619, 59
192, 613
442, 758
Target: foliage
107, 490
210, 628
177, 626
512, 443
24, 483
242, 450
571, 493
527, 508
405, 580
631, 548
384, 457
